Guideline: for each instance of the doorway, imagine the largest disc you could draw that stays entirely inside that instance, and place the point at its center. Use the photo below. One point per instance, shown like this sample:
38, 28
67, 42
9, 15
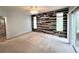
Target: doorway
2, 29
77, 30
74, 38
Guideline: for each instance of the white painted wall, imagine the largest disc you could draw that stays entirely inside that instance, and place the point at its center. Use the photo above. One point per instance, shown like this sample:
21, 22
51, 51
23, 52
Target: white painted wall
2, 13
17, 22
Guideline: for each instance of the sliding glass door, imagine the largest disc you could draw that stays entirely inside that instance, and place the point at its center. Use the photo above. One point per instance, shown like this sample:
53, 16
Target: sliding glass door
75, 29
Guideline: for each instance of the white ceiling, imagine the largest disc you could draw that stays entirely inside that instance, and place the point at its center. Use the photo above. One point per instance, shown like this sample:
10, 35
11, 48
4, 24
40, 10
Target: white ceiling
27, 9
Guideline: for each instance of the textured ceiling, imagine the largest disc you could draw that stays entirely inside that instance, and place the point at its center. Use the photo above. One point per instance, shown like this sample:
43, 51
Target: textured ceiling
40, 9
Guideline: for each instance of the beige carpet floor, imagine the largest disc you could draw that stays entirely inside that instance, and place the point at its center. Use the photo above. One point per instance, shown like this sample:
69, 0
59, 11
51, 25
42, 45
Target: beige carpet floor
35, 42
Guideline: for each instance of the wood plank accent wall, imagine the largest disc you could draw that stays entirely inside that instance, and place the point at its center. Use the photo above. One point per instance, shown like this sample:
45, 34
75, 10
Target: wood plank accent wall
2, 28
46, 22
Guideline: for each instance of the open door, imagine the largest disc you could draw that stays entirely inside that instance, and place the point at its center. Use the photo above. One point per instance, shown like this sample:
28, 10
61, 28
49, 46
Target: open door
2, 28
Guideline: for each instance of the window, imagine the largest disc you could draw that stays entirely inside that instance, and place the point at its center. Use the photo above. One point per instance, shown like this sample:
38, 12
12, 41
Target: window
59, 21
34, 22
77, 21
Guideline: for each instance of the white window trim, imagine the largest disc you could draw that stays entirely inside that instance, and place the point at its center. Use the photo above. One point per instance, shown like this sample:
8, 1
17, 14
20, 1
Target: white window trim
59, 16
35, 22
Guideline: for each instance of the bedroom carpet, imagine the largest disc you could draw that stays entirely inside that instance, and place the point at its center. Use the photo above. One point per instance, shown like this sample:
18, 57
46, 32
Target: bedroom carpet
35, 42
